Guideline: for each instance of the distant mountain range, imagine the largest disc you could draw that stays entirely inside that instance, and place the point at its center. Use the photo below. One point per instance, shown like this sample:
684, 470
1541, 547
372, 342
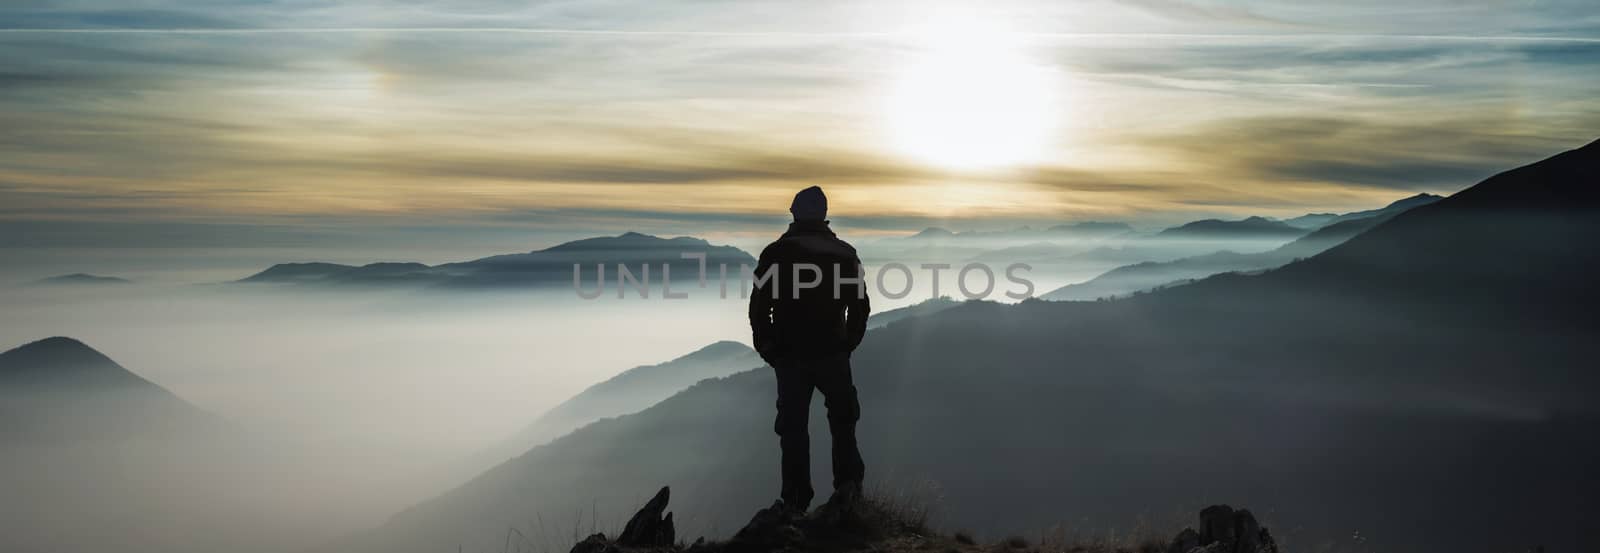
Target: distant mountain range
1085, 253
80, 279
1401, 383
1250, 227
1138, 277
551, 266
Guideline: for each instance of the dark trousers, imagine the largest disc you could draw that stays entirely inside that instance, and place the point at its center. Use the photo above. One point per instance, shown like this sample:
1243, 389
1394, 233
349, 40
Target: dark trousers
796, 380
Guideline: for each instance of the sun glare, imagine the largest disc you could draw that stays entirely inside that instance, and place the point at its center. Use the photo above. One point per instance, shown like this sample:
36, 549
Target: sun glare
971, 99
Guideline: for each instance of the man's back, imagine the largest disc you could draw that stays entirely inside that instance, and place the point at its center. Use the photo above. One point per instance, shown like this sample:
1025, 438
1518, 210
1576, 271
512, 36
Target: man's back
813, 302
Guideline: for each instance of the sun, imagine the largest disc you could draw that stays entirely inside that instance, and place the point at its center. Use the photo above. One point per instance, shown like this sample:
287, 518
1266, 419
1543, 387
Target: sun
971, 99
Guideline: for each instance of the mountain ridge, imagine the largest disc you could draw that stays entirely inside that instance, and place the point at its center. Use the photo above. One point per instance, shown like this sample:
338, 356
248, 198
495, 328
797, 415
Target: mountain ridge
552, 266
1144, 276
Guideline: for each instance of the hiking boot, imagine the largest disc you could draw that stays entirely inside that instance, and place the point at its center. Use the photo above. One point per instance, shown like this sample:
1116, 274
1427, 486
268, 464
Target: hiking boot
790, 509
845, 496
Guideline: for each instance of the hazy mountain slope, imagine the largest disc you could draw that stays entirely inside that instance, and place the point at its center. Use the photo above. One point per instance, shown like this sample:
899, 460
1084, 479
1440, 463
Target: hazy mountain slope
1138, 277
1400, 205
1517, 247
1128, 279
635, 389
58, 389
548, 267
1319, 220
1405, 384
925, 307
93, 455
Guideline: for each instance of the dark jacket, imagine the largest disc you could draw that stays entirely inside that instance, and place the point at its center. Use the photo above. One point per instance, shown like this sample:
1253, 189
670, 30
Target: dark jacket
817, 323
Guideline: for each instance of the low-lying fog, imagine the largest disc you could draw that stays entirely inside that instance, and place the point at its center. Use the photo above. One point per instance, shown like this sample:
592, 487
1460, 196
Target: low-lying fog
345, 405
379, 392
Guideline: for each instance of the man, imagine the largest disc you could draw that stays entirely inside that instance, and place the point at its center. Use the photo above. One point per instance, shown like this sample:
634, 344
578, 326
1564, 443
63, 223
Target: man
808, 311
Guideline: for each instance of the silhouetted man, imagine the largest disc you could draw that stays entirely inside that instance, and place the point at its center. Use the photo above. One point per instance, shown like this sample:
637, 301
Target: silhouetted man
808, 311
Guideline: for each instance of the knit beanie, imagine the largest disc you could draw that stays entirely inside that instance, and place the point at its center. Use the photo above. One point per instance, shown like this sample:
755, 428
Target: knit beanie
810, 205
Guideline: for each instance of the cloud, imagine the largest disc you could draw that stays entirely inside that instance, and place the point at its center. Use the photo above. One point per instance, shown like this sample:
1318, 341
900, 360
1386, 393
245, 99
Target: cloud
674, 112
1439, 155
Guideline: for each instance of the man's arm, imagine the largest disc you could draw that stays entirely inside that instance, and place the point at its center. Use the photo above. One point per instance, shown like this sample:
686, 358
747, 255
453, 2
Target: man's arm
857, 307
761, 310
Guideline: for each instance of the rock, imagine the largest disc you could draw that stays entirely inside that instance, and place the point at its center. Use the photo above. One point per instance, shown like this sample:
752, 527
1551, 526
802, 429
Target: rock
648, 528
596, 543
1186, 540
1246, 531
1224, 530
1216, 524
1265, 543
772, 528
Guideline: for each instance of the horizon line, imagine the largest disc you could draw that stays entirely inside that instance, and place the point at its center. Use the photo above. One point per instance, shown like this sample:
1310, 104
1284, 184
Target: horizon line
791, 34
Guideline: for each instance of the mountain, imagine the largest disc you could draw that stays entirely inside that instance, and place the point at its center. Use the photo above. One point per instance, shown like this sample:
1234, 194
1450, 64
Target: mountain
95, 457
925, 307
1318, 220
59, 389
297, 272
334, 273
1250, 227
1311, 221
1139, 277
636, 389
552, 266
80, 279
1402, 384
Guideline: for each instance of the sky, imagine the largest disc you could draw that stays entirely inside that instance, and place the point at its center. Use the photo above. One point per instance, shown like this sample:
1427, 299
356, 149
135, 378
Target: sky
287, 123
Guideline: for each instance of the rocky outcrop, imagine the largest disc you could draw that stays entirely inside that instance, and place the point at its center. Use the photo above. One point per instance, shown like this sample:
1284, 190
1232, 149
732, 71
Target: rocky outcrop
850, 524
1224, 530
838, 526
650, 529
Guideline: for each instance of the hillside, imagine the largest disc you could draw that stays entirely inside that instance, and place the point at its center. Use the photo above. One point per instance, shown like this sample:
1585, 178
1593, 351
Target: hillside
924, 307
1312, 221
1399, 384
633, 390
1138, 277
548, 267
59, 389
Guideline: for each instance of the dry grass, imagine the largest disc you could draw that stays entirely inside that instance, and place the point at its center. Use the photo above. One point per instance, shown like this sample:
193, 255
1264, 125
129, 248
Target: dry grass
892, 519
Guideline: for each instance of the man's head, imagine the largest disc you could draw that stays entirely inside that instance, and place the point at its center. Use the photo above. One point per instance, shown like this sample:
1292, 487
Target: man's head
809, 205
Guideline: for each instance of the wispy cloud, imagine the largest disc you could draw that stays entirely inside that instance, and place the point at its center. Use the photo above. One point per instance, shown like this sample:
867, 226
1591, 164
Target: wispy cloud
712, 114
